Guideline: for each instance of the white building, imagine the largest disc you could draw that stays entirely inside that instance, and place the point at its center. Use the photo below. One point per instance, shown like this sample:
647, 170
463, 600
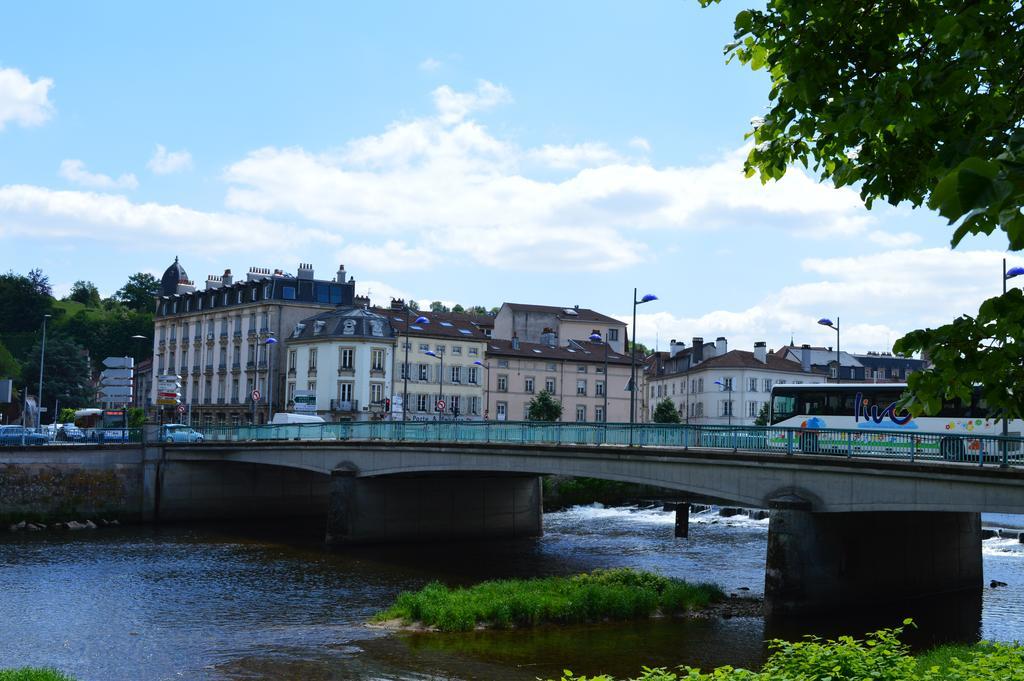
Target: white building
712, 385
345, 358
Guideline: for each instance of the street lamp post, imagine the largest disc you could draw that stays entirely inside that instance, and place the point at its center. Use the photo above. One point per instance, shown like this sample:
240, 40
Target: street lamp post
42, 359
727, 387
1007, 275
270, 377
835, 327
408, 342
596, 338
487, 388
440, 379
632, 361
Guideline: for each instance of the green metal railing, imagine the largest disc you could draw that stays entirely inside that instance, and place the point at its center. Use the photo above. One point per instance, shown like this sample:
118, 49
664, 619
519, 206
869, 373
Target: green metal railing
897, 445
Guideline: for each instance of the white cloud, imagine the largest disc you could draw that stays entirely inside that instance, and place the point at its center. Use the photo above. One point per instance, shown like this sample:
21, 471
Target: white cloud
29, 211
429, 64
392, 256
576, 156
640, 143
74, 170
23, 101
454, 106
877, 298
164, 162
890, 240
447, 184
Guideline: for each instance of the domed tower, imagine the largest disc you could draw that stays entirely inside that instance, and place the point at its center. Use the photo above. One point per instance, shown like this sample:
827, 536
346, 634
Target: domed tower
175, 280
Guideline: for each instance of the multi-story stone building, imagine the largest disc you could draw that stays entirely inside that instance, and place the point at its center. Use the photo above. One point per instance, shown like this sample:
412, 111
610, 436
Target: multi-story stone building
536, 323
588, 379
345, 358
885, 367
452, 375
223, 340
710, 384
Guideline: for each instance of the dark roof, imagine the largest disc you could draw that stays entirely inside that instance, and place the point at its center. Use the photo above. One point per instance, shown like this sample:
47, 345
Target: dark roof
173, 275
577, 352
744, 359
343, 322
890, 362
442, 324
577, 314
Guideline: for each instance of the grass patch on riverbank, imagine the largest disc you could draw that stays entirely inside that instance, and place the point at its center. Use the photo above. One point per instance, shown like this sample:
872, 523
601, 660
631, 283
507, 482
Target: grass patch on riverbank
881, 656
593, 597
33, 674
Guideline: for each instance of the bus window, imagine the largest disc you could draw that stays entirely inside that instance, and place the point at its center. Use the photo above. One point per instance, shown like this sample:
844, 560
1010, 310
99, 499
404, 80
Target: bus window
783, 407
815, 404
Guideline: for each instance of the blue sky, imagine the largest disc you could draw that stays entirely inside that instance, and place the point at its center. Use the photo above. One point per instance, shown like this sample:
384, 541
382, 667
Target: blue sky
556, 153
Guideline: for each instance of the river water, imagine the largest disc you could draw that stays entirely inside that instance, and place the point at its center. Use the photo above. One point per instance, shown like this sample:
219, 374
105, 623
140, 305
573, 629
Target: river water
232, 602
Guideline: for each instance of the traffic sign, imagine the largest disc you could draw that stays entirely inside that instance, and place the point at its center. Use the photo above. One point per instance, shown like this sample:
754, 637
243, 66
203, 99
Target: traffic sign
116, 374
181, 408
119, 362
256, 395
112, 392
439, 406
167, 401
305, 400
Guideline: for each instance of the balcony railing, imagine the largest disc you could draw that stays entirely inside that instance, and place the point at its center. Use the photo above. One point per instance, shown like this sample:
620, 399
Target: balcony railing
345, 405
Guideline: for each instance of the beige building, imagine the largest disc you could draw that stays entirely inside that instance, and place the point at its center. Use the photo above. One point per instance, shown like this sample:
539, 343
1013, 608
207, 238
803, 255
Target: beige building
452, 375
588, 379
216, 339
538, 323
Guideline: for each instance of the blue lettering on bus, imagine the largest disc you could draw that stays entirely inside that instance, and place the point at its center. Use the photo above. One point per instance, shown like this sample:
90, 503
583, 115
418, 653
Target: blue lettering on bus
872, 413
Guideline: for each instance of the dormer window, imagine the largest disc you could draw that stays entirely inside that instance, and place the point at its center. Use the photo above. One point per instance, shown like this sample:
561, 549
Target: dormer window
299, 328
318, 327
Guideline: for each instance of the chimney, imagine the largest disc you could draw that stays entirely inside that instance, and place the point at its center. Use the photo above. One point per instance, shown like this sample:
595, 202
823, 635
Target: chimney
363, 301
547, 337
341, 274
397, 304
760, 352
675, 347
698, 350
305, 270
257, 273
213, 282
721, 346
227, 278
515, 342
805, 358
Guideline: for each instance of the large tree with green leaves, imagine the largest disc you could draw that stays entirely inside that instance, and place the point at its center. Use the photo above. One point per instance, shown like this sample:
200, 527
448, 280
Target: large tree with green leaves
23, 302
909, 101
66, 377
138, 292
544, 407
85, 292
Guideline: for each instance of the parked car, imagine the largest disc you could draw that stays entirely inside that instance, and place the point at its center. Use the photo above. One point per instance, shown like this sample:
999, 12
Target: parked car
17, 435
179, 432
69, 432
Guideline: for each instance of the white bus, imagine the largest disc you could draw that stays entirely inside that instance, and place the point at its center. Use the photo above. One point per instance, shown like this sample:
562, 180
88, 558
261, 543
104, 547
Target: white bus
871, 408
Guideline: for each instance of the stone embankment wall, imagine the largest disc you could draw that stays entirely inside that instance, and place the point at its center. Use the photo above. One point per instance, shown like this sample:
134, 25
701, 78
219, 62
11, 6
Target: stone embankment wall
61, 485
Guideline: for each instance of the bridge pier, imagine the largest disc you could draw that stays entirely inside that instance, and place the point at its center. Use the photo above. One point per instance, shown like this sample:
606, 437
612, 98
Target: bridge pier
432, 506
832, 562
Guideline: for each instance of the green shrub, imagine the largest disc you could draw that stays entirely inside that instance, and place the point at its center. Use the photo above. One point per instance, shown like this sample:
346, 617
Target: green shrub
600, 595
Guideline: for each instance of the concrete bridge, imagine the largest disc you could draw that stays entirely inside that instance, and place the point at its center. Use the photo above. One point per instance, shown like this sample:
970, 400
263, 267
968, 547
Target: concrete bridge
844, 532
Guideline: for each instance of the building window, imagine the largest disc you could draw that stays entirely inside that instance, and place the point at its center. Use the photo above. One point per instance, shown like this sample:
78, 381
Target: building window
581, 387
376, 392
456, 349
752, 385
502, 383
292, 360
345, 392
421, 402
599, 414
727, 383
453, 404
752, 409
456, 373
552, 366
377, 360
503, 364
582, 368
424, 347
403, 371
581, 413
766, 385
288, 292
345, 358
424, 372
613, 334
599, 388
312, 359
311, 385
474, 351
439, 349
291, 392
501, 410
726, 408
472, 375
549, 385
528, 384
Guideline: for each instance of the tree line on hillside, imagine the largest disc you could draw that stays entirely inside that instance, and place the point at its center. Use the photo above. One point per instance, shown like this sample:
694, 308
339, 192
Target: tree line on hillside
83, 329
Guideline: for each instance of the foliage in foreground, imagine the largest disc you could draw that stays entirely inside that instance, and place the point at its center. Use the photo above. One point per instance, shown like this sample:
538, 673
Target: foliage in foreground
879, 657
33, 674
620, 594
